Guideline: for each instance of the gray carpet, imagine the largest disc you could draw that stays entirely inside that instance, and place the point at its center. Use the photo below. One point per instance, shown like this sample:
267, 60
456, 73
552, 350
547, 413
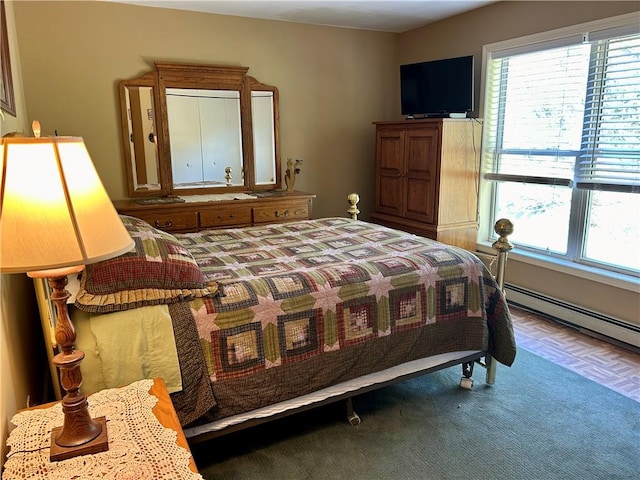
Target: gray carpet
539, 421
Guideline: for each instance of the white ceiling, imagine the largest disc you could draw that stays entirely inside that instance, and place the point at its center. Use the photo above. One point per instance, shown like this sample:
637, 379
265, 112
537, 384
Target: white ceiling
381, 15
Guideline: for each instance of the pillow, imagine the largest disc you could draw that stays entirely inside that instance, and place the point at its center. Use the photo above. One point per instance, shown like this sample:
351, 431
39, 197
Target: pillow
158, 270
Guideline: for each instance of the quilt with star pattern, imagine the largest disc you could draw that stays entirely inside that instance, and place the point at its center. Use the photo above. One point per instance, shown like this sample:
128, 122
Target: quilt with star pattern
308, 304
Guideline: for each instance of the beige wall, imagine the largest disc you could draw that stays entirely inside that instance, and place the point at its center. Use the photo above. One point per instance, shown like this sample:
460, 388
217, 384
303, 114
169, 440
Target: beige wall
333, 84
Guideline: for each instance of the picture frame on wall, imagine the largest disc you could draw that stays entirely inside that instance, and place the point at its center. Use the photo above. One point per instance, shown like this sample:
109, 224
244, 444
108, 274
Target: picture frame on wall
7, 98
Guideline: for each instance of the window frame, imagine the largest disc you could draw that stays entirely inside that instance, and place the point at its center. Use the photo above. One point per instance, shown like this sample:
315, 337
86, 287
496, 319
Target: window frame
579, 197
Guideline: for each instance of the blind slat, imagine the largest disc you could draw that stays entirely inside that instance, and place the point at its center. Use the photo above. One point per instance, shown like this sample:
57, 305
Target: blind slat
501, 177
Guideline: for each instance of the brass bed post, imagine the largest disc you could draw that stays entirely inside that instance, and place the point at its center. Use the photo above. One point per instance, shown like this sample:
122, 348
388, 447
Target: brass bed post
353, 198
503, 228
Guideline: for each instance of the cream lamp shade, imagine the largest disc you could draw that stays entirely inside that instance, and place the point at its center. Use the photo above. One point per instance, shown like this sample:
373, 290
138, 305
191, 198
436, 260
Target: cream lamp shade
54, 210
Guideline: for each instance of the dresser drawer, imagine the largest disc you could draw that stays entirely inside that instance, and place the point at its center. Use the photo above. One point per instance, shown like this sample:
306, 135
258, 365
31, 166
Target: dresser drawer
191, 216
171, 222
227, 217
281, 211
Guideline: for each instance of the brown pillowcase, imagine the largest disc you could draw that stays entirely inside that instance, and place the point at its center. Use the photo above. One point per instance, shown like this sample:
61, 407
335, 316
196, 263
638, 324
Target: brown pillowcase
158, 270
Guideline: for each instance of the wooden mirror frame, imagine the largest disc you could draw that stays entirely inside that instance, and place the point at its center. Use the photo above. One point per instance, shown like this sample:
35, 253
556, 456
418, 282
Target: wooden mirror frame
131, 165
7, 97
213, 77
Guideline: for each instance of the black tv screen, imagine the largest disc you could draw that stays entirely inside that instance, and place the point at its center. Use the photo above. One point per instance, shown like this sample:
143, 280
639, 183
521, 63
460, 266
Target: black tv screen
437, 87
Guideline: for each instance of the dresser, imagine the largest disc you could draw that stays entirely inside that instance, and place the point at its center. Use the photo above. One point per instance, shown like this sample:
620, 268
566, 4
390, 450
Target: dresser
427, 173
221, 211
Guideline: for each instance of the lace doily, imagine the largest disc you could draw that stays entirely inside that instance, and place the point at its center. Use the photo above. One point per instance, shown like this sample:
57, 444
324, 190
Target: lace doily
140, 448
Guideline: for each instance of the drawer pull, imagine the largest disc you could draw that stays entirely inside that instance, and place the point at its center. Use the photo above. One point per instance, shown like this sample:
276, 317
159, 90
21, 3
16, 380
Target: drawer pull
283, 214
168, 223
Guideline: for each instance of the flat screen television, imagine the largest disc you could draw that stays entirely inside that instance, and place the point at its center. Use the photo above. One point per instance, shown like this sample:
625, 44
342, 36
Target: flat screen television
437, 88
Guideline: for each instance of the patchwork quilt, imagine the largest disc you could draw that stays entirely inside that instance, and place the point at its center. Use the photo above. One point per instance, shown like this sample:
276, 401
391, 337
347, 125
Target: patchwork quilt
305, 305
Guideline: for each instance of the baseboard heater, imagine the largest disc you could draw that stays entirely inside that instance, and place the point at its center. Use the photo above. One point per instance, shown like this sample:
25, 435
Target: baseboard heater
587, 321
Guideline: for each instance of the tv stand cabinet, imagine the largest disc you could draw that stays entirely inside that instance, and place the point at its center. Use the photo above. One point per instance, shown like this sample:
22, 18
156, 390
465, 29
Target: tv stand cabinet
427, 173
267, 207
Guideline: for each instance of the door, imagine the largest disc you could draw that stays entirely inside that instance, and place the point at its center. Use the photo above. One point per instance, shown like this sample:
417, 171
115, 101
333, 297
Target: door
421, 151
389, 171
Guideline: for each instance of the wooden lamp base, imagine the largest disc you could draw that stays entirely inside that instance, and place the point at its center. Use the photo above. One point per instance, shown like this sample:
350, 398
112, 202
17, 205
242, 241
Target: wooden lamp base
80, 434
98, 444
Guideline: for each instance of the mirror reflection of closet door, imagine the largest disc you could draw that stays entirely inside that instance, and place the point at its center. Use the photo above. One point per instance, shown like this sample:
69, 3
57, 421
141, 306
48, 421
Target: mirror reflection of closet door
205, 133
186, 151
221, 138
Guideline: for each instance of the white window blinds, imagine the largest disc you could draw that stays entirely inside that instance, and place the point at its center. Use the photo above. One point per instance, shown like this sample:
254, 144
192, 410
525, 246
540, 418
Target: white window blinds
565, 112
610, 156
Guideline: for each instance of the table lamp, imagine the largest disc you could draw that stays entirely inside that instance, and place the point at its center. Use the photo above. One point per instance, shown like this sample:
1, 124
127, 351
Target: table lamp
56, 217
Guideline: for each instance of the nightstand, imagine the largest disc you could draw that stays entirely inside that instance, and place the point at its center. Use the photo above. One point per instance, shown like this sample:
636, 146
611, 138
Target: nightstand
145, 439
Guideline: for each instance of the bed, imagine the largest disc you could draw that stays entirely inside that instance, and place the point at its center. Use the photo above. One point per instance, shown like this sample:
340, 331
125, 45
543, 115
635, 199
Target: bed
246, 325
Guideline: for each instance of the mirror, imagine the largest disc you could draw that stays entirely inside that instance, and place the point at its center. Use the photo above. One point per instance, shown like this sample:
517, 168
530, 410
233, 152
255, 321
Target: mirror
196, 129
205, 137
142, 165
265, 118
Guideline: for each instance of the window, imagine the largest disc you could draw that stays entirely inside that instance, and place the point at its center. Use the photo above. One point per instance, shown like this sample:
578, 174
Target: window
561, 145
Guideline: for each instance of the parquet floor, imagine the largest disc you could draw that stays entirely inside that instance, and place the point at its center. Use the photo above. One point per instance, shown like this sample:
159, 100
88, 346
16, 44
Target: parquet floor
605, 363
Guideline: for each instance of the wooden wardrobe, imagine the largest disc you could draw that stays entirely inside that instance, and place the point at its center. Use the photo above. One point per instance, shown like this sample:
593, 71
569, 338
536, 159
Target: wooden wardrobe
427, 174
